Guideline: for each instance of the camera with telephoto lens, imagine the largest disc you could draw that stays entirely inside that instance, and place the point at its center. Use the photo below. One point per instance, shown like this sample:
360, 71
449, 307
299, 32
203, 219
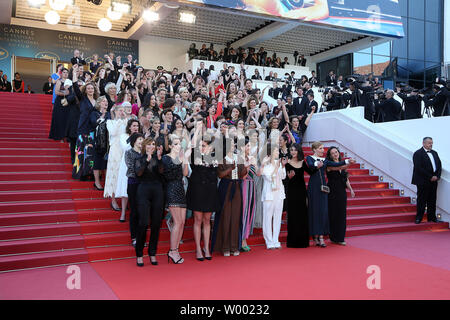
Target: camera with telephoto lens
356, 78
381, 94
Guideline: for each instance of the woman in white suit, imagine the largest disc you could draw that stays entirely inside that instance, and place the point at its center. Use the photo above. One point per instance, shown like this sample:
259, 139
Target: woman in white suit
273, 173
133, 126
116, 128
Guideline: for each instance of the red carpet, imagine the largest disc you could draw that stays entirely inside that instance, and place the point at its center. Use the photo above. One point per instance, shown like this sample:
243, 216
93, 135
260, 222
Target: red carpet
51, 284
289, 274
314, 273
48, 219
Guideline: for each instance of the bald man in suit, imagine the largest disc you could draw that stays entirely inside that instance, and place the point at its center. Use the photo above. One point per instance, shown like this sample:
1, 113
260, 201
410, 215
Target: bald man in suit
426, 174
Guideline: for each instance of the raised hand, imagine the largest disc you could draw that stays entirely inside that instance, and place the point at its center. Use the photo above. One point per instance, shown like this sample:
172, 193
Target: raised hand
291, 174
159, 152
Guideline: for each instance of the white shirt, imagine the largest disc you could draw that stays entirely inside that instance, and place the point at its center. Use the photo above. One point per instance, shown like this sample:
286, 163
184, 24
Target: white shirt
430, 155
273, 182
234, 172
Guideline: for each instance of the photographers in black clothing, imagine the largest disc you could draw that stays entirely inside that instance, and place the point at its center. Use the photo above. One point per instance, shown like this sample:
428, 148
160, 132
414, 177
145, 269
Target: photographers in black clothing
412, 102
390, 108
439, 100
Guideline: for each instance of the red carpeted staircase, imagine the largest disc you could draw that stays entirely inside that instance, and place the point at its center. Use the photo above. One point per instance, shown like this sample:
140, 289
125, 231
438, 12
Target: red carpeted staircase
48, 219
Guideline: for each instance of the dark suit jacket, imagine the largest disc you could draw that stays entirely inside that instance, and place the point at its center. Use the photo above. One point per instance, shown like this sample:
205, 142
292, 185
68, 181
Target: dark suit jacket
48, 88
300, 105
77, 60
391, 109
301, 62
8, 86
423, 169
309, 106
438, 102
274, 93
313, 81
204, 74
331, 82
413, 106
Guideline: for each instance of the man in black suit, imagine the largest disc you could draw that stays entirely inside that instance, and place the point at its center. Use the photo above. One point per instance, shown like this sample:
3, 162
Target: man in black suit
313, 80
302, 61
77, 58
331, 79
2, 84
300, 103
311, 103
6, 85
269, 77
391, 109
48, 86
426, 174
274, 92
202, 72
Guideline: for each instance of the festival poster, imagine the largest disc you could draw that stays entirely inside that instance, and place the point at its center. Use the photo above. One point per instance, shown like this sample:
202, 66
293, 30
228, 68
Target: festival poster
377, 17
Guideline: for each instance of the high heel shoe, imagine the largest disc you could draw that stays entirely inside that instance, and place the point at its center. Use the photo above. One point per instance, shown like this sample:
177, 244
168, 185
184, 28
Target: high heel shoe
322, 243
179, 261
139, 264
154, 263
204, 254
316, 241
200, 259
97, 188
115, 208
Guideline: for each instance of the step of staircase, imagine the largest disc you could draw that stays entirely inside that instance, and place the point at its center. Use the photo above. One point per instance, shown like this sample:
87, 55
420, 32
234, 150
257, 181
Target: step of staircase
49, 219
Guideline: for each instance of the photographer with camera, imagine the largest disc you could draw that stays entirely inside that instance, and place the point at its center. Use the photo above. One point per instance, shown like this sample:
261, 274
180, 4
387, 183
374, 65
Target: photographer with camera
362, 95
440, 99
412, 102
330, 100
390, 108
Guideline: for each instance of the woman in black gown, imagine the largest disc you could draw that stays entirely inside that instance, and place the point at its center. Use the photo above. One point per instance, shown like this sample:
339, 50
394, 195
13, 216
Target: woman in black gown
297, 211
73, 117
84, 151
285, 153
60, 114
337, 199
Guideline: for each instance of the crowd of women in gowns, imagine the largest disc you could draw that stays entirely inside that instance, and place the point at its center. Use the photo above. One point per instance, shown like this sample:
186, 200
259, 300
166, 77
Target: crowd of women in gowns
233, 170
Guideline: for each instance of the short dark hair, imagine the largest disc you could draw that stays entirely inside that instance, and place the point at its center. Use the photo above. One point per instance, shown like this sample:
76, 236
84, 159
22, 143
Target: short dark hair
134, 137
427, 138
130, 123
168, 104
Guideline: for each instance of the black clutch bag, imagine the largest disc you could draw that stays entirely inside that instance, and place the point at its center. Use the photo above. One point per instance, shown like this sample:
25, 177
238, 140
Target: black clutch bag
323, 188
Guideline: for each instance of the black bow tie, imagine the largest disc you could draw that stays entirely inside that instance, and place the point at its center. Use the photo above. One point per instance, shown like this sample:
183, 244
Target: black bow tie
428, 151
